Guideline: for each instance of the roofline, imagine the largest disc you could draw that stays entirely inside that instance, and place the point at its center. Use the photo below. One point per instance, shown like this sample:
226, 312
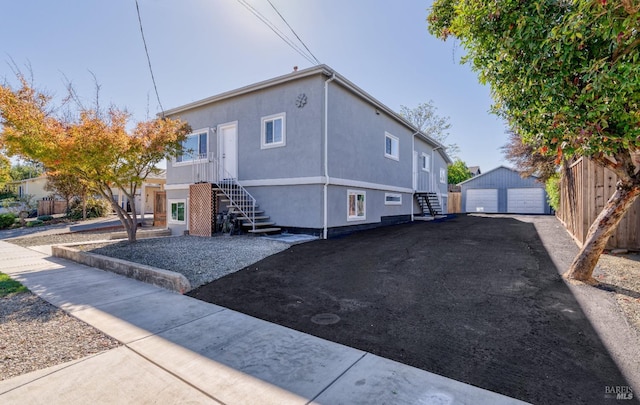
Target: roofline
319, 69
493, 170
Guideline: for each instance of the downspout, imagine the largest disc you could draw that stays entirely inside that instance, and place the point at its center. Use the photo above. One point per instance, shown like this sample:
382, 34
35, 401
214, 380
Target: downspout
414, 179
433, 175
326, 156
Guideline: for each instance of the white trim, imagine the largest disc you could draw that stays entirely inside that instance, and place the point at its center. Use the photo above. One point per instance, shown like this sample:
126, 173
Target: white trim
366, 184
176, 201
300, 181
263, 144
181, 186
220, 150
397, 143
356, 217
392, 202
206, 130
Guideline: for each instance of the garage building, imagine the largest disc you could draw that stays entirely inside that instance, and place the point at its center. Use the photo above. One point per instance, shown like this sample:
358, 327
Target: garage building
502, 190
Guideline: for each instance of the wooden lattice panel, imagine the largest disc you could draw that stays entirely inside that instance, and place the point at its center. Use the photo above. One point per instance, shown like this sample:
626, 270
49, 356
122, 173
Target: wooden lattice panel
202, 201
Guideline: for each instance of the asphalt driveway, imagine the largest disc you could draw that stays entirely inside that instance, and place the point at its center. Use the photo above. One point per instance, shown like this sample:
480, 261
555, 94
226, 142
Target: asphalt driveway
471, 298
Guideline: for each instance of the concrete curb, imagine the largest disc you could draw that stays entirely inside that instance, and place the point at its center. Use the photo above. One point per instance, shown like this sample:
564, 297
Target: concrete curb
142, 234
159, 277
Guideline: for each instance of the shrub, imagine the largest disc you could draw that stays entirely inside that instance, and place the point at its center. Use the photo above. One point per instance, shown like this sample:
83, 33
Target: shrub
37, 222
96, 207
45, 218
553, 191
7, 219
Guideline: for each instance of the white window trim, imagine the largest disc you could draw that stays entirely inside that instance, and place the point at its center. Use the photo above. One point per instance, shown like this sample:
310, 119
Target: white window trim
443, 176
393, 195
176, 201
355, 217
263, 120
425, 158
393, 138
206, 130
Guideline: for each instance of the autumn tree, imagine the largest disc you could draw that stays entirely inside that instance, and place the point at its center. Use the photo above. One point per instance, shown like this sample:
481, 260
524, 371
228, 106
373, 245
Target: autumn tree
93, 145
67, 186
425, 118
5, 171
458, 172
566, 77
527, 159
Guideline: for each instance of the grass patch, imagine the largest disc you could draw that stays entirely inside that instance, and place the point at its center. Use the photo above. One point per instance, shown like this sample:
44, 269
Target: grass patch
9, 286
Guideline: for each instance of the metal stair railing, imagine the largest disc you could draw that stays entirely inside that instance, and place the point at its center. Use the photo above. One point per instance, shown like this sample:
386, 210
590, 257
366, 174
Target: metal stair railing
210, 170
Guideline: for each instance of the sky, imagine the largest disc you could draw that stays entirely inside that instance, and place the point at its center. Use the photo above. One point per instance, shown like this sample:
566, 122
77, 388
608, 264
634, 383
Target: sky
200, 48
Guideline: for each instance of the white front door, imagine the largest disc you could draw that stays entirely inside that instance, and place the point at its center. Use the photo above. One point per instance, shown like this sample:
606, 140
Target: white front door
228, 150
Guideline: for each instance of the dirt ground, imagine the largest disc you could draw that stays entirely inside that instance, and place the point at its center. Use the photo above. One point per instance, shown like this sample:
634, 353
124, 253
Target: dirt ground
475, 299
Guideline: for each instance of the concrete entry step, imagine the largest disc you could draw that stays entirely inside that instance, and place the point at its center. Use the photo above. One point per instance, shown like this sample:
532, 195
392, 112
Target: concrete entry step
264, 230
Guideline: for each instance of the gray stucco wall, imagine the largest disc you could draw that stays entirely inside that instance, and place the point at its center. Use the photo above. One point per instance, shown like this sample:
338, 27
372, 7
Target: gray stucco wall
357, 142
300, 157
502, 179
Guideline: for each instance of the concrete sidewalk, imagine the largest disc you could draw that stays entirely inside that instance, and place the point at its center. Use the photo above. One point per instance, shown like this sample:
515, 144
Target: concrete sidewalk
177, 349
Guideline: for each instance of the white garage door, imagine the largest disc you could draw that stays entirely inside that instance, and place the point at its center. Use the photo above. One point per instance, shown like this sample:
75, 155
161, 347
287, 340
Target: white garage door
482, 200
525, 201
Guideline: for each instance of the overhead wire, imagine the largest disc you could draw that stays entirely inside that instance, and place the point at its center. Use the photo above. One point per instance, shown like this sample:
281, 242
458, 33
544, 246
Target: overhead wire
309, 57
294, 33
146, 50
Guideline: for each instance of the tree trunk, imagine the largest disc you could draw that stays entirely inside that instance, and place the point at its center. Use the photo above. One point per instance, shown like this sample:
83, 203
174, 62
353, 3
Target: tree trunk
131, 233
602, 228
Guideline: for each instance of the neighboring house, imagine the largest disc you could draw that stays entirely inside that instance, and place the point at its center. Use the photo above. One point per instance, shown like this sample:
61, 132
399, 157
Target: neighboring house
474, 170
314, 151
502, 190
152, 184
34, 187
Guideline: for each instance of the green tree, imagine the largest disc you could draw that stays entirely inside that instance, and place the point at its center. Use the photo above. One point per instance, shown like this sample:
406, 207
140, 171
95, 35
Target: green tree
93, 145
24, 171
458, 172
566, 76
425, 118
67, 186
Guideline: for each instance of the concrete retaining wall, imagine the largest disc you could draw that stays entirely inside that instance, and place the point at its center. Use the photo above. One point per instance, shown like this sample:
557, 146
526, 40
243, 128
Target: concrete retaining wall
152, 275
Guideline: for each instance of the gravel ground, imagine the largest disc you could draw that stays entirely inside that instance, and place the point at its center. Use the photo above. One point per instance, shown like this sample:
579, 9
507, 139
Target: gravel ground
621, 274
35, 334
200, 260
58, 238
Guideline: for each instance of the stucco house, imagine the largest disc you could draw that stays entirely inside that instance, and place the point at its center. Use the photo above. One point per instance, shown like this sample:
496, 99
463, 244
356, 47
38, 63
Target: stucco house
305, 152
503, 190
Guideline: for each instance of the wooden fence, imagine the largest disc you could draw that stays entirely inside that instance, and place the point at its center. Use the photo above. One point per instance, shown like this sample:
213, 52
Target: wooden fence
585, 188
49, 206
454, 202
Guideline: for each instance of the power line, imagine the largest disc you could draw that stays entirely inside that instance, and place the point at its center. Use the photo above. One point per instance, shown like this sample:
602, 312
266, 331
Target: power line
294, 33
146, 50
278, 32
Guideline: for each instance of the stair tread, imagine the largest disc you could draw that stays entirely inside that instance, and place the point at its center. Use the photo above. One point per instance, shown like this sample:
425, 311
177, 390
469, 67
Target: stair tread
259, 224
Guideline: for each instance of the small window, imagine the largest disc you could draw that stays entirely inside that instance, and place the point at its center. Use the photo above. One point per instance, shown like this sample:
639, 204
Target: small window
392, 199
425, 162
391, 146
356, 205
443, 176
194, 147
273, 131
177, 210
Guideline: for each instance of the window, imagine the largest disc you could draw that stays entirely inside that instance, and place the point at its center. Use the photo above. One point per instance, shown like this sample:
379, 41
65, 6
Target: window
391, 146
356, 205
177, 209
426, 162
392, 199
443, 176
194, 147
274, 132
